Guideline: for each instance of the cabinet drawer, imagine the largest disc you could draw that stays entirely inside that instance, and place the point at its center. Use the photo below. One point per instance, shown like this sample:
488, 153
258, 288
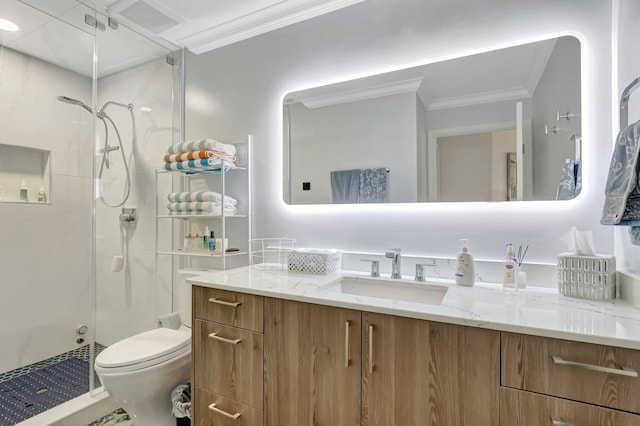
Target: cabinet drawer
228, 362
585, 372
229, 307
215, 410
521, 408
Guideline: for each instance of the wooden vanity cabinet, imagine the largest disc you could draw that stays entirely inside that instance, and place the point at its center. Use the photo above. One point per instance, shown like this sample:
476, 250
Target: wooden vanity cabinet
417, 372
408, 371
312, 364
227, 358
564, 382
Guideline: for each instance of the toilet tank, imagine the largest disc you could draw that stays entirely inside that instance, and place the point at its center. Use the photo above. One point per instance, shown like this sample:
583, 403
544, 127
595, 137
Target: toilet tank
182, 294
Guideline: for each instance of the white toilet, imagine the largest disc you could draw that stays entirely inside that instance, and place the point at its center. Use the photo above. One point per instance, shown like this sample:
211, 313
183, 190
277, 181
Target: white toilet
141, 371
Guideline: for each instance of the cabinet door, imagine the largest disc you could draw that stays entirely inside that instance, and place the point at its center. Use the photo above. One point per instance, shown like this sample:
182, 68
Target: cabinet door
419, 372
520, 408
311, 364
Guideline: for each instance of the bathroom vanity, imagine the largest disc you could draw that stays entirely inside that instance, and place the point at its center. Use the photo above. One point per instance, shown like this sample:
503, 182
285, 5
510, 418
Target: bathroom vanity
278, 348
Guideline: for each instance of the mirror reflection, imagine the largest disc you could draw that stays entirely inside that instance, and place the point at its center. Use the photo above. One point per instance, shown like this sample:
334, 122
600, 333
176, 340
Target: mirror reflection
502, 125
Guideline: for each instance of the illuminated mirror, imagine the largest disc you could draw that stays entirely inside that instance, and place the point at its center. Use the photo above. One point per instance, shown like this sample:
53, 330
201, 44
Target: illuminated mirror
502, 125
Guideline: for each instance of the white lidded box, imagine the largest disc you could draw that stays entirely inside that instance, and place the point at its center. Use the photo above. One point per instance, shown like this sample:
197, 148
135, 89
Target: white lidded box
587, 277
314, 261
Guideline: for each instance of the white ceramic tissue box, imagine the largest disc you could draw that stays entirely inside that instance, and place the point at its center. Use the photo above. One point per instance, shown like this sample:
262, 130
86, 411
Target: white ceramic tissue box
587, 277
314, 261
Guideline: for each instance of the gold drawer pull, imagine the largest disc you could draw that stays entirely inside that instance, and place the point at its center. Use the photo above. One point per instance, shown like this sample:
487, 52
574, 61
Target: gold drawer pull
557, 421
224, 302
625, 371
215, 336
346, 343
215, 409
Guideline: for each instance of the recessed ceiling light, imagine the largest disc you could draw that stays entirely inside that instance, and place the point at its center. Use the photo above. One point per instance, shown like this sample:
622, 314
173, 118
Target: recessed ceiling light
7, 25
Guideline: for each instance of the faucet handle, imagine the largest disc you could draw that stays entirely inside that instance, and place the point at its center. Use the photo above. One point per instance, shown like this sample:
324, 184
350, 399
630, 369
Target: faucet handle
392, 252
420, 269
375, 267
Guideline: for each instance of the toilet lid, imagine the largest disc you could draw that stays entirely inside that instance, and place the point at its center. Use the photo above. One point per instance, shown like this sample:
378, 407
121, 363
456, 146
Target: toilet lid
143, 347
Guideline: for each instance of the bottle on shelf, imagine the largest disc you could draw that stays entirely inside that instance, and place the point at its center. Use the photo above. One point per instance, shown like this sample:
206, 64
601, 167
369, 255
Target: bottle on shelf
23, 191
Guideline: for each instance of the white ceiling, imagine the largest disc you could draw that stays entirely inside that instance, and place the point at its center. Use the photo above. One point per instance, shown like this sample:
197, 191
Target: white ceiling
147, 29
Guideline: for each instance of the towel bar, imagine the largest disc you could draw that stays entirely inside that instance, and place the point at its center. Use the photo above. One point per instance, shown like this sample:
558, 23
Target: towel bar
624, 102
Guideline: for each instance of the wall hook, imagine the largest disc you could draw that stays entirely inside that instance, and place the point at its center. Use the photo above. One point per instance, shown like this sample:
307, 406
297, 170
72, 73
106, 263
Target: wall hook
548, 130
566, 116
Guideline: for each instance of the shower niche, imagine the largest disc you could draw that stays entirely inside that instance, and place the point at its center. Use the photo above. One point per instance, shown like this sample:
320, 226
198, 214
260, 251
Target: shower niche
25, 174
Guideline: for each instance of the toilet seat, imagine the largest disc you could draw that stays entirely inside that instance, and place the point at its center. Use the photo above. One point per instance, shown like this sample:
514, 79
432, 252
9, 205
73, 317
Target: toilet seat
144, 350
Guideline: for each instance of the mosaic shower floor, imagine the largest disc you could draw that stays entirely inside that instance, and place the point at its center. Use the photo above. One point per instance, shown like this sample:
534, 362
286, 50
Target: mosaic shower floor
35, 388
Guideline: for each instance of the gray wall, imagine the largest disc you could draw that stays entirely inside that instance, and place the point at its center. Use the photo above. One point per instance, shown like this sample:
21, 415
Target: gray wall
371, 133
558, 90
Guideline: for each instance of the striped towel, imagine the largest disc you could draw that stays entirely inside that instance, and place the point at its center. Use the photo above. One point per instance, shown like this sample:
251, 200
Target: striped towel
210, 164
194, 155
201, 145
203, 207
181, 197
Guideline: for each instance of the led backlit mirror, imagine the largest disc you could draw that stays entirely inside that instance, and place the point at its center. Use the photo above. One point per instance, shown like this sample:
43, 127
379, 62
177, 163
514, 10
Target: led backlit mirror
504, 125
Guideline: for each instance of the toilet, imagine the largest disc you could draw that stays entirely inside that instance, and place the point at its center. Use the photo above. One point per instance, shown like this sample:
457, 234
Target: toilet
141, 371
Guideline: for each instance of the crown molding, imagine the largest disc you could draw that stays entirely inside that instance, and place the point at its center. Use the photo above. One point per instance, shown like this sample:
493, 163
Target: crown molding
259, 22
370, 92
480, 98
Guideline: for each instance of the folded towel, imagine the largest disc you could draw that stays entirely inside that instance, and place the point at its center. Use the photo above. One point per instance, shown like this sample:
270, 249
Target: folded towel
201, 145
622, 202
216, 212
194, 155
345, 186
180, 197
202, 164
204, 207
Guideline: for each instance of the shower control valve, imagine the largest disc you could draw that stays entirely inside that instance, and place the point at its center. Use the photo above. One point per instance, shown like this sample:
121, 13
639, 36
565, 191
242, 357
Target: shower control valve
128, 215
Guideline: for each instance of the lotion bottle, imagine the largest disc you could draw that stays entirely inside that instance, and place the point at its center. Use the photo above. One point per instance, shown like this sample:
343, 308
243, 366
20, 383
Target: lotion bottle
509, 269
205, 238
465, 273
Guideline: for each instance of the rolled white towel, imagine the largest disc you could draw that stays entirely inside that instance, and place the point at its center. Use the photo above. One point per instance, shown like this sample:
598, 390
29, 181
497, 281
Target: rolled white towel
204, 207
180, 197
201, 145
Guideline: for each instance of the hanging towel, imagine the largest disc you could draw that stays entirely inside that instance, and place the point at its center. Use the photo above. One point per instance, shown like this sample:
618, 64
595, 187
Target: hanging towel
201, 145
181, 197
570, 180
622, 202
345, 186
373, 186
203, 164
194, 155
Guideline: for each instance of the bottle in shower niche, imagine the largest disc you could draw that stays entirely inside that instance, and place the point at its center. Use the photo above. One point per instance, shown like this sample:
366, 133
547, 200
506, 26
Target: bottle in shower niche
23, 192
42, 197
509, 269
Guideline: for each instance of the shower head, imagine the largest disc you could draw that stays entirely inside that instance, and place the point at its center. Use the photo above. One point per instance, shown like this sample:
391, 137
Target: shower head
68, 100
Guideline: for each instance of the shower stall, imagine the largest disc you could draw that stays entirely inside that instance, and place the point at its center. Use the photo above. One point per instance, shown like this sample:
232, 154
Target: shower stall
87, 109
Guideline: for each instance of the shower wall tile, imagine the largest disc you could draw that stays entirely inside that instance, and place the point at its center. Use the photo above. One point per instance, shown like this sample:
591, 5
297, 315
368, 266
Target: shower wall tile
46, 273
30, 114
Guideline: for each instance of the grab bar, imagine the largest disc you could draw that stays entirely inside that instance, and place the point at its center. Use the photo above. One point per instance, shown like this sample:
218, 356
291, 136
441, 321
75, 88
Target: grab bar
624, 103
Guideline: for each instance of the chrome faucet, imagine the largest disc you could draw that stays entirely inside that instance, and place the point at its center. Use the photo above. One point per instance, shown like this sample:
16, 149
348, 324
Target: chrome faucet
394, 254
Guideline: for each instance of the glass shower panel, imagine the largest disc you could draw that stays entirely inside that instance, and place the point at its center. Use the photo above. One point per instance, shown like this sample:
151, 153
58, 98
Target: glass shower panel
46, 180
136, 90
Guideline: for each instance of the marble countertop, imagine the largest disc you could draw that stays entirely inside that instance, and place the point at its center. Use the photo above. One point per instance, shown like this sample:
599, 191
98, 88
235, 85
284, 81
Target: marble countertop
534, 310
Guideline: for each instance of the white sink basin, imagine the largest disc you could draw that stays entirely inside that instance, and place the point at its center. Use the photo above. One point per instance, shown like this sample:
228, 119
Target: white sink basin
430, 294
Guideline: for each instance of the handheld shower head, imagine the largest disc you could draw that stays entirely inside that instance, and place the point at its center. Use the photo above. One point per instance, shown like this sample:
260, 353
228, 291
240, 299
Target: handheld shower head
68, 100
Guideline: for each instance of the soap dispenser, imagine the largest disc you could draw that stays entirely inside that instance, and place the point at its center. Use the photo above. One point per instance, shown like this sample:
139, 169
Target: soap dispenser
509, 269
465, 274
